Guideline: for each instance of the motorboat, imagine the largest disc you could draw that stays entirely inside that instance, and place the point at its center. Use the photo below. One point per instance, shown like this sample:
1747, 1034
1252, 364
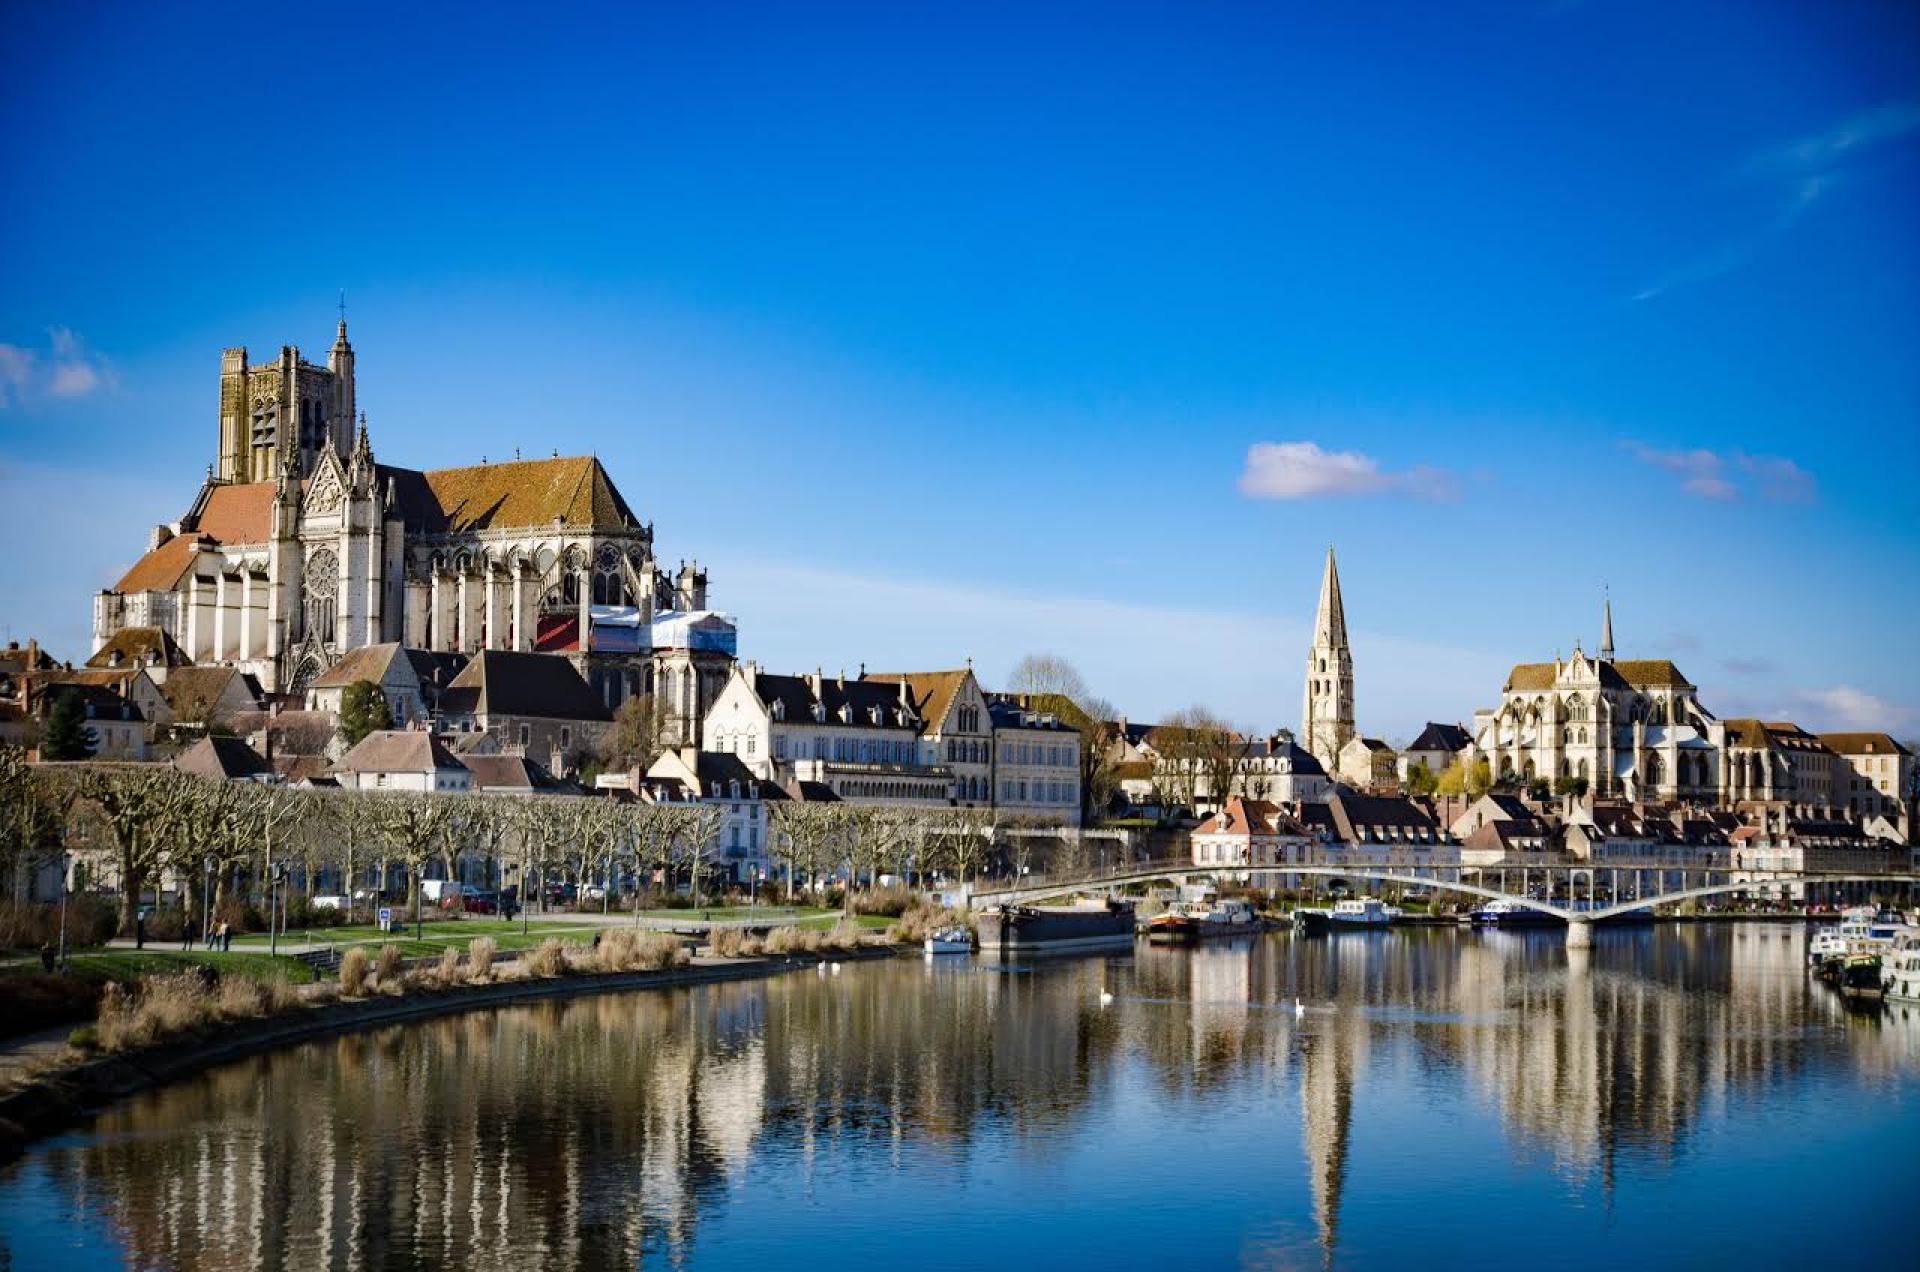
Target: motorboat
950, 940
1900, 971
1367, 914
1511, 914
1194, 919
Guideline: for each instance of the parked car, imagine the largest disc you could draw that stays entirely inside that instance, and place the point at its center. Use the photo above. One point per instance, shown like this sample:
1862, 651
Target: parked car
482, 903
329, 903
593, 892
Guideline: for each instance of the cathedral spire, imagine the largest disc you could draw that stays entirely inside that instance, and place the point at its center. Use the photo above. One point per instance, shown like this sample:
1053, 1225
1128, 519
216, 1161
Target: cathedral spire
1606, 627
1330, 620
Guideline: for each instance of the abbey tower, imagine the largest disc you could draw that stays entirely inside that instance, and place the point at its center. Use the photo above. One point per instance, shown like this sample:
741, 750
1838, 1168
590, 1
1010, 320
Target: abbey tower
1326, 715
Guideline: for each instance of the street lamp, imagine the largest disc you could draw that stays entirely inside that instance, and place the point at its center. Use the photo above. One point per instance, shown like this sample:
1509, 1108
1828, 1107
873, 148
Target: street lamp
206, 905
276, 877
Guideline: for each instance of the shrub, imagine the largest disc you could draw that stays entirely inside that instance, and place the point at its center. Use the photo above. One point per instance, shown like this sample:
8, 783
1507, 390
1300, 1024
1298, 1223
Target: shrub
388, 968
27, 925
353, 972
162, 1007
242, 997
85, 1038
891, 902
846, 935
922, 918
480, 958
448, 973
549, 958
733, 942
794, 939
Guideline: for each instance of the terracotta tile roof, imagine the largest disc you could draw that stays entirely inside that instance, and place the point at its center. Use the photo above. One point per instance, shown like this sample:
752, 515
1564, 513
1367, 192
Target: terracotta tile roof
933, 691
1650, 673
134, 644
160, 569
1863, 744
1246, 817
237, 513
398, 751
190, 690
221, 757
1630, 673
369, 662
531, 492
1746, 732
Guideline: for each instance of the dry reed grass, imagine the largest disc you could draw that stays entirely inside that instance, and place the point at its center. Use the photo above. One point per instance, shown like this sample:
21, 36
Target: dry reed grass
480, 958
353, 973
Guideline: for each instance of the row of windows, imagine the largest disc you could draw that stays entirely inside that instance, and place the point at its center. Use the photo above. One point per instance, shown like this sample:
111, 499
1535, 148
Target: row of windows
1014, 790
1035, 753
880, 788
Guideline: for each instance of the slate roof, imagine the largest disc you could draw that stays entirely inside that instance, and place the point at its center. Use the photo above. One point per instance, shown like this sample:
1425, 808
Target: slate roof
1441, 737
861, 697
223, 758
135, 644
511, 683
1007, 715
100, 701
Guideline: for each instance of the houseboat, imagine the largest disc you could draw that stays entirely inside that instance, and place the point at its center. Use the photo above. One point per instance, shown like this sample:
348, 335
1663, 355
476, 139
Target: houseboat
1027, 929
1366, 914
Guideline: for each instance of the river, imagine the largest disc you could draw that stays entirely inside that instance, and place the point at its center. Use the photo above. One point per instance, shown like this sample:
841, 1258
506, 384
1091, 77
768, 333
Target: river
1684, 1095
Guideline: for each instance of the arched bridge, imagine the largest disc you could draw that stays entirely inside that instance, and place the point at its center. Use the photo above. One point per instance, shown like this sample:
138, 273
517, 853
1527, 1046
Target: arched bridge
1714, 882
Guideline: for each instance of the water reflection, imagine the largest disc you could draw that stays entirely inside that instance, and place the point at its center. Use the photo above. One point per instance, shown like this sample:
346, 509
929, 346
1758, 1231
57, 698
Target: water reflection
605, 1132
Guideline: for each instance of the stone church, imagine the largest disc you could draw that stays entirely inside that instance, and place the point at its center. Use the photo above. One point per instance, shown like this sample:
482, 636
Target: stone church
300, 547
1326, 710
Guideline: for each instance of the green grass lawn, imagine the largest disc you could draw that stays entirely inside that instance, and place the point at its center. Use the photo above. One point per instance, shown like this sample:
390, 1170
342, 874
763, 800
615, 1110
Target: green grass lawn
127, 964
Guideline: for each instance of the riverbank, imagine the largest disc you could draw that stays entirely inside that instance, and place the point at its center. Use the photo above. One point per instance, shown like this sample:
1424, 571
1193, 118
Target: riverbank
64, 1094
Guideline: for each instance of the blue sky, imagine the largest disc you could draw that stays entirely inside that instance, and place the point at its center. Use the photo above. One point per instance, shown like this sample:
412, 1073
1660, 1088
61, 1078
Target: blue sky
950, 331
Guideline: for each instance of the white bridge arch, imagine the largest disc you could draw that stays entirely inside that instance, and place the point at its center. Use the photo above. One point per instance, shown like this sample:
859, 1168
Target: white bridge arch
1397, 873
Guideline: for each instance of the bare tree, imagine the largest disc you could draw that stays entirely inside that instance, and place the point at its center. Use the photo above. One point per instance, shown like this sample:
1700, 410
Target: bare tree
412, 824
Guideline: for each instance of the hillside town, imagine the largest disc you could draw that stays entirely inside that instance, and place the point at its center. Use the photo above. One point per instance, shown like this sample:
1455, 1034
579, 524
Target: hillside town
317, 619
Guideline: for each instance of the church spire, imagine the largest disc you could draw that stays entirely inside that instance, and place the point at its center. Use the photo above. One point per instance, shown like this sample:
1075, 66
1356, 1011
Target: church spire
1330, 620
1606, 628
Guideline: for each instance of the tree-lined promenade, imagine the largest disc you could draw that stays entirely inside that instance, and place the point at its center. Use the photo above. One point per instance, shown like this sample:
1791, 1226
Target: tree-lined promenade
147, 833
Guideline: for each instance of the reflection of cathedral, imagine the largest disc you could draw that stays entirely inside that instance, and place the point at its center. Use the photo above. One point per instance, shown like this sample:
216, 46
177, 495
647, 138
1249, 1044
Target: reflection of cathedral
300, 547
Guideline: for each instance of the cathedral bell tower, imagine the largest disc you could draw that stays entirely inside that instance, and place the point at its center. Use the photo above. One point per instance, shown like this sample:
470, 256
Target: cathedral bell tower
1326, 713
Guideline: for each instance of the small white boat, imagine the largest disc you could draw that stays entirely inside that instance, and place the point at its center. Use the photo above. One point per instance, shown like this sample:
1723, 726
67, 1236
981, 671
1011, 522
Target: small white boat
1900, 971
1363, 913
950, 940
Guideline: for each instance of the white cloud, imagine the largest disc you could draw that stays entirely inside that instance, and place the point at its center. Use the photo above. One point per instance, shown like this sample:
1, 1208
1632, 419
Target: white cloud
1846, 707
1817, 153
1301, 470
1803, 171
1710, 475
67, 369
16, 372
1779, 479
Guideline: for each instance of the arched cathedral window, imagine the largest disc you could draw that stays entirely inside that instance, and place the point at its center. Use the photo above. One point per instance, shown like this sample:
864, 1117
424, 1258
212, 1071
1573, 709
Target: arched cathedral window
319, 592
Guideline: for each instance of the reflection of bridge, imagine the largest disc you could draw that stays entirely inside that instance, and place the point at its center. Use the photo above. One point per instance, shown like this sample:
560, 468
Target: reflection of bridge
1601, 902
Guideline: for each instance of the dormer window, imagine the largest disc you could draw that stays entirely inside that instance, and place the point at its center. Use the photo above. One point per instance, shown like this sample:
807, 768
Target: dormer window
873, 713
819, 713
846, 714
779, 709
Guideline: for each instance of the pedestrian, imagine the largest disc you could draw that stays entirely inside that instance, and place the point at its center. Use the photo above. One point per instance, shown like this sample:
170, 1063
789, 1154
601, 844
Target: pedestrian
226, 938
46, 957
186, 934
